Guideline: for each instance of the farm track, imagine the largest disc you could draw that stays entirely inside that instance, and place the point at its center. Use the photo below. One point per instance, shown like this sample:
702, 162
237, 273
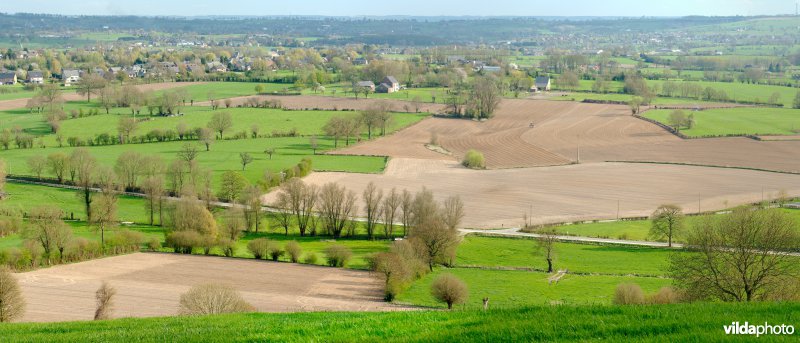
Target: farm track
73, 96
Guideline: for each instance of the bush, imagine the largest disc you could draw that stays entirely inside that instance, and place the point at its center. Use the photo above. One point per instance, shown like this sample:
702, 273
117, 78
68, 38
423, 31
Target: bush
665, 295
274, 250
338, 255
183, 241
450, 290
228, 246
213, 299
12, 304
259, 247
125, 241
311, 258
294, 251
154, 244
628, 294
80, 249
474, 160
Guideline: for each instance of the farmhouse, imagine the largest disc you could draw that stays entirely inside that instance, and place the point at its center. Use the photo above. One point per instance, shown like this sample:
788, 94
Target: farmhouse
542, 84
491, 69
70, 76
35, 77
366, 84
361, 61
8, 78
389, 84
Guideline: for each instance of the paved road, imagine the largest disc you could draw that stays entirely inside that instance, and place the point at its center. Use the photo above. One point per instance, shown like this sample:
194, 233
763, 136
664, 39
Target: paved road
514, 232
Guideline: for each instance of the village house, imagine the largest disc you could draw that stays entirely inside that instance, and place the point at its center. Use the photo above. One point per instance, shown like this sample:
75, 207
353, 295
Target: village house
70, 76
542, 84
366, 84
360, 61
388, 85
491, 69
35, 77
8, 78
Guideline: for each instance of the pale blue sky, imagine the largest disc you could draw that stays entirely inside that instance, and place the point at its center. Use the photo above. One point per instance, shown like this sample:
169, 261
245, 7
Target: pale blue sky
405, 7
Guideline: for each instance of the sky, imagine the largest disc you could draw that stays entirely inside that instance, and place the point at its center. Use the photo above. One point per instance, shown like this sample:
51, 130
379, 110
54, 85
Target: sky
628, 8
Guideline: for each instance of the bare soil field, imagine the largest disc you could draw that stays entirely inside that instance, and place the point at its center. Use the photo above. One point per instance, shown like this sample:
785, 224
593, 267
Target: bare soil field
532, 133
299, 102
72, 96
499, 198
150, 284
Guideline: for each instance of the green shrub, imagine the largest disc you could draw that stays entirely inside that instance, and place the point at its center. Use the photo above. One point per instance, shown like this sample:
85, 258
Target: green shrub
154, 244
259, 247
274, 250
294, 251
183, 241
311, 258
474, 160
338, 255
228, 246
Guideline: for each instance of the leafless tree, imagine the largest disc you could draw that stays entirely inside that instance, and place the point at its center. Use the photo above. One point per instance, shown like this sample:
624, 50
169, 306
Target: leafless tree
220, 122
435, 241
337, 206
46, 228
58, 163
251, 201
207, 137
453, 212
126, 127
153, 188
372, 201
37, 164
232, 223
90, 84
742, 256
546, 246
406, 210
84, 165
188, 153
391, 203
128, 168
245, 159
105, 208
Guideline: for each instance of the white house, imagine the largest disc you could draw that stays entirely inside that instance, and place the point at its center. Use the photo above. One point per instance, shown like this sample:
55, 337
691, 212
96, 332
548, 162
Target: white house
70, 76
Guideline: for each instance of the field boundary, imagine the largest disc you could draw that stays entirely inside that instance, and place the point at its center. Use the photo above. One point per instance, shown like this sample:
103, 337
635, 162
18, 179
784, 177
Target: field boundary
708, 166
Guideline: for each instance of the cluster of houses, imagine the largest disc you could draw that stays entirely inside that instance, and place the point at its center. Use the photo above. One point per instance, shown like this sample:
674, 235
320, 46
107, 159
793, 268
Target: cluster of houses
389, 84
10, 77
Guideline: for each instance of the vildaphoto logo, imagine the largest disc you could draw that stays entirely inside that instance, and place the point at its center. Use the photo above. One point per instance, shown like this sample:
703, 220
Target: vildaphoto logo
746, 328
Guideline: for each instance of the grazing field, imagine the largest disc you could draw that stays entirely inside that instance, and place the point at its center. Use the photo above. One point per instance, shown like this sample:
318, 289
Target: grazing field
737, 121
69, 95
500, 198
507, 289
302, 102
150, 284
657, 323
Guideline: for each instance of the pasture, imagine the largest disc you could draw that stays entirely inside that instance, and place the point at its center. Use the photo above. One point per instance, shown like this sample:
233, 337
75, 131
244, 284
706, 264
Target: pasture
737, 121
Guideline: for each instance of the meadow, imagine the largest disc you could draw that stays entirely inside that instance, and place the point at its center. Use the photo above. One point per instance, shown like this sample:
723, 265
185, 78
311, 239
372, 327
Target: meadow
654, 323
737, 121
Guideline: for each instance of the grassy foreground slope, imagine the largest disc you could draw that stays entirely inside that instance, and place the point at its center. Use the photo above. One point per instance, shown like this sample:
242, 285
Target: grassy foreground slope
665, 323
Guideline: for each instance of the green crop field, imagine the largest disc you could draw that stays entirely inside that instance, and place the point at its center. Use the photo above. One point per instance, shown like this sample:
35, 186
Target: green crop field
656, 323
744, 121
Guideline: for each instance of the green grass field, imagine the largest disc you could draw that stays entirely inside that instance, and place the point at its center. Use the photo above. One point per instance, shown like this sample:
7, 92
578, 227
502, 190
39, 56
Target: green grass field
658, 323
744, 121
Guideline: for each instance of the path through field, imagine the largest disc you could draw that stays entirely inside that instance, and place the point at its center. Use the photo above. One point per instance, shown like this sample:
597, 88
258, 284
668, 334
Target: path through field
150, 284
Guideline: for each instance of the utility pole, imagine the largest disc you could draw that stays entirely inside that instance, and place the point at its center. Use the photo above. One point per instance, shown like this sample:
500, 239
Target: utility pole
698, 203
617, 209
578, 151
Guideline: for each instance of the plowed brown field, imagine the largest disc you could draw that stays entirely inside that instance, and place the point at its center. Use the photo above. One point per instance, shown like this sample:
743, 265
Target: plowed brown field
564, 132
499, 198
151, 284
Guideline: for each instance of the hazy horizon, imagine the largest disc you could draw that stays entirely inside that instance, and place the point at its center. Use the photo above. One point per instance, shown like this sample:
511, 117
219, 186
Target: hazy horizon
416, 8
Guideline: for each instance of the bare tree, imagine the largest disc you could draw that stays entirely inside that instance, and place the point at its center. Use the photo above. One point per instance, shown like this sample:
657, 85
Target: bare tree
84, 166
126, 127
406, 209
251, 201
245, 159
337, 206
37, 164
667, 221
46, 228
207, 137
435, 241
232, 223
176, 173
128, 167
105, 301
12, 303
372, 201
391, 203
153, 188
105, 208
58, 163
220, 122
450, 290
742, 256
90, 84
269, 152
284, 214
188, 153
213, 299
546, 246
314, 144
453, 212
301, 200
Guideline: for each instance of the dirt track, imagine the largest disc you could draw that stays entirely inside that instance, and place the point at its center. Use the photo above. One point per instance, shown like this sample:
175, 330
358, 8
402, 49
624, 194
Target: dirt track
499, 198
150, 284
72, 96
